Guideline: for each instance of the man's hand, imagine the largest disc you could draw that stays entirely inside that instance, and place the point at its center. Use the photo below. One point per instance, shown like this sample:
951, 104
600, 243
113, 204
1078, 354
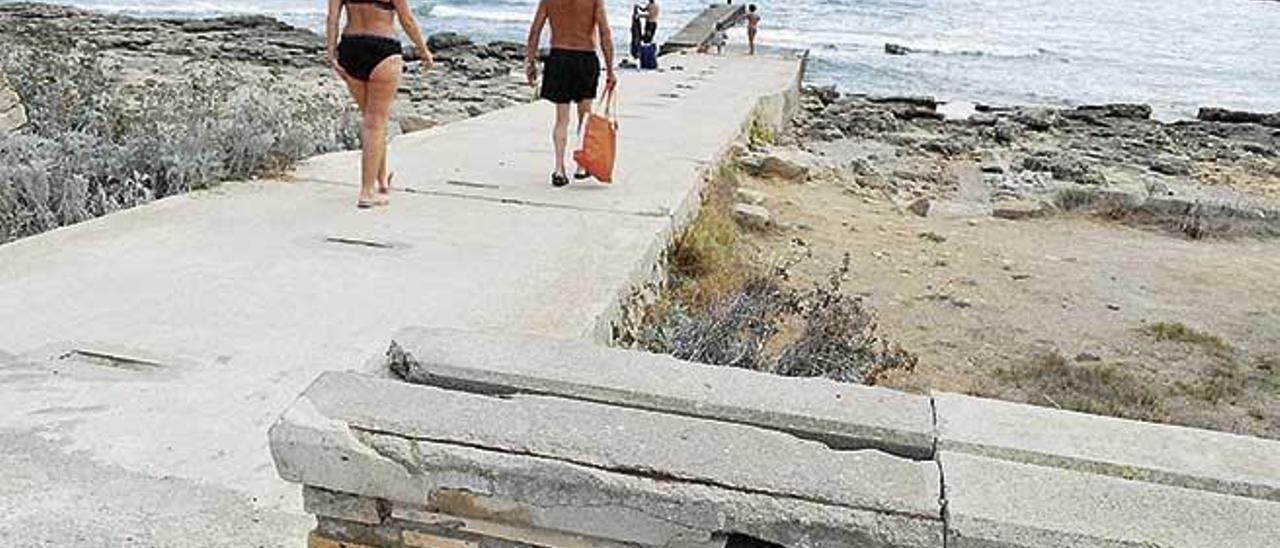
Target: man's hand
428, 60
610, 79
531, 72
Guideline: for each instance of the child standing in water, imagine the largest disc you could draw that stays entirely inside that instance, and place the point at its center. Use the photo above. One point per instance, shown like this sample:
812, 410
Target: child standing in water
753, 25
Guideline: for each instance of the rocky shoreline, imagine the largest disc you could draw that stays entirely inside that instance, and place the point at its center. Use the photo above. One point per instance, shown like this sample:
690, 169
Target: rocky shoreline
470, 79
1216, 176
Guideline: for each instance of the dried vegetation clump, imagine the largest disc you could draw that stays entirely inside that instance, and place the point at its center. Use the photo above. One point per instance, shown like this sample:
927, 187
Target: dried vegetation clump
96, 145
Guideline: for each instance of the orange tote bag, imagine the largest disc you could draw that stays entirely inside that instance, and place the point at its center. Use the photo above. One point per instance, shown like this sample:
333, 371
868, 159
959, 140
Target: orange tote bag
600, 142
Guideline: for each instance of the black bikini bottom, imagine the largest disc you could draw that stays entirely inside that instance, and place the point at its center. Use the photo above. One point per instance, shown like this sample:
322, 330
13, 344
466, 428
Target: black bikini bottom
359, 54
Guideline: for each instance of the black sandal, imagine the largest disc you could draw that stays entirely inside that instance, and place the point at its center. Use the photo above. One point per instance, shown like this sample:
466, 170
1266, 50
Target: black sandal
558, 180
580, 175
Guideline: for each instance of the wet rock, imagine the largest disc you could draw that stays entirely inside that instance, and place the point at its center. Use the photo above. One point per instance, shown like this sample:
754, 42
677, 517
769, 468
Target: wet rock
752, 216
896, 49
447, 40
1226, 116
1128, 111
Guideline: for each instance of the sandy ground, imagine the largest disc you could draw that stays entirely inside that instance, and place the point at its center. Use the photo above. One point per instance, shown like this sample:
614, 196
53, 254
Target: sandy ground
985, 302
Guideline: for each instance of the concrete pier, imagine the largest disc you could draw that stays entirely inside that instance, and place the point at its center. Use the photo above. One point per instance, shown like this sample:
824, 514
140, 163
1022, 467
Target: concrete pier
145, 354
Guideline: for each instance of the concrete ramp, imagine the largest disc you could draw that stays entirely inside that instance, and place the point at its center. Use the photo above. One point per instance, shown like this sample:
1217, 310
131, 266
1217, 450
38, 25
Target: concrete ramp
151, 349
699, 31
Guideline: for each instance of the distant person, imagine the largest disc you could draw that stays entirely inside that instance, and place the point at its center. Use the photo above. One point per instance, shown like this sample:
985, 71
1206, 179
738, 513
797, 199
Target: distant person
368, 57
637, 32
651, 13
719, 39
753, 26
572, 71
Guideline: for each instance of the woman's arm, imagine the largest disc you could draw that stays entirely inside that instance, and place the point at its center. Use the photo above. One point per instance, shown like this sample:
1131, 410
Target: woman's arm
410, 26
531, 47
331, 33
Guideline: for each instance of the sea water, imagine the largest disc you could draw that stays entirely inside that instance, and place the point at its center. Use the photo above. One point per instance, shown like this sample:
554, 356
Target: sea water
1175, 55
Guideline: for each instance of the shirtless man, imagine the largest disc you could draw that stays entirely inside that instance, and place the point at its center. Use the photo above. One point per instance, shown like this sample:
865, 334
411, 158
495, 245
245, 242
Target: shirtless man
572, 71
651, 12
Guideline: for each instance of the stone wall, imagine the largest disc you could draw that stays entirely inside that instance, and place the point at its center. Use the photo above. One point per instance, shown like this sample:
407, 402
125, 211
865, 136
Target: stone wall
12, 114
475, 439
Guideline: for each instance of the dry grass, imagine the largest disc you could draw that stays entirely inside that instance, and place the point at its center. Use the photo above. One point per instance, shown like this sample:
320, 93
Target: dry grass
1179, 332
706, 263
1102, 389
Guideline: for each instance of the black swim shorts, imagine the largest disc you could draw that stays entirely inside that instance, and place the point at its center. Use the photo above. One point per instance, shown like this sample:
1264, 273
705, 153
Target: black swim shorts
570, 76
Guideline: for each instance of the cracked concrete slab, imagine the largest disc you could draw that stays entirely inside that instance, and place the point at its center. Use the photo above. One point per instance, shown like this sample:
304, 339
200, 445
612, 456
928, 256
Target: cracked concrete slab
993, 503
619, 474
840, 414
633, 441
1158, 453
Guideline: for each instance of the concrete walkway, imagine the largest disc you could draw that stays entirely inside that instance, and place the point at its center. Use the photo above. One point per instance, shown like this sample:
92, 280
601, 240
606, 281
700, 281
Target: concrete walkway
144, 355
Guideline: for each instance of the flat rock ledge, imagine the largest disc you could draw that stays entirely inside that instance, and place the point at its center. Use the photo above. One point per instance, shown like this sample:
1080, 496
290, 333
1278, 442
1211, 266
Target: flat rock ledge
511, 440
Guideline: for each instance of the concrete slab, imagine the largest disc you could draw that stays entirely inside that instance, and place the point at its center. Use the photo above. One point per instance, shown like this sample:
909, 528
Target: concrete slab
526, 488
632, 441
994, 503
244, 293
842, 415
1158, 453
698, 31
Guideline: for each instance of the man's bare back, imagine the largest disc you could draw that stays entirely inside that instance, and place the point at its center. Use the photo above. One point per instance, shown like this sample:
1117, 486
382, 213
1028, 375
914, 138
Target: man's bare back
573, 23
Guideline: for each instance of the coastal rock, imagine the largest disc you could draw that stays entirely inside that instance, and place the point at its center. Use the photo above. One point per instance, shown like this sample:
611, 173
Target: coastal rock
1019, 209
1172, 166
1036, 119
1213, 114
752, 197
13, 115
441, 41
1064, 165
752, 216
896, 49
786, 164
1128, 111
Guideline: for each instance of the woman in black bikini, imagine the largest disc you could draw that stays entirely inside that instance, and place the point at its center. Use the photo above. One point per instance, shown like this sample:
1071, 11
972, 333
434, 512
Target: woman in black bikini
368, 58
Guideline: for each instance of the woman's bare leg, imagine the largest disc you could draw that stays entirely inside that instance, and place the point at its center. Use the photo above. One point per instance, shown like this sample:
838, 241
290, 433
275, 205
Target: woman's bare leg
359, 91
379, 96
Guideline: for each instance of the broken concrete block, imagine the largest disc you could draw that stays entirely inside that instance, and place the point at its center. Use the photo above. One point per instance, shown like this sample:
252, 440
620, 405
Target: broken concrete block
334, 504
997, 503
623, 439
753, 217
1157, 453
841, 415
619, 474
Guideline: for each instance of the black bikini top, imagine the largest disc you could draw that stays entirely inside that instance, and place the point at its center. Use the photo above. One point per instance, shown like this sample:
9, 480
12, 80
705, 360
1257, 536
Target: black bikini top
378, 3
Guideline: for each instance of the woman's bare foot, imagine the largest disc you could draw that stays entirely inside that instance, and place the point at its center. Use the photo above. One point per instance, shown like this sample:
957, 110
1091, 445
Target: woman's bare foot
366, 202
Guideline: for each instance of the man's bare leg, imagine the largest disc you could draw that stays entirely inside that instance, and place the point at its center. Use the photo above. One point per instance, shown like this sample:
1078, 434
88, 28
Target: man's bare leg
561, 135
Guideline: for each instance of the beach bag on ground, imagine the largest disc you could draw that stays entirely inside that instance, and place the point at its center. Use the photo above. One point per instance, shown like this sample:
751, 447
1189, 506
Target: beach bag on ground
600, 140
649, 56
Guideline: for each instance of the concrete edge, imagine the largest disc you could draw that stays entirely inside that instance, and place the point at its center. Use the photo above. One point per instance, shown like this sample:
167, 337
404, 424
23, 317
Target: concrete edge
892, 436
